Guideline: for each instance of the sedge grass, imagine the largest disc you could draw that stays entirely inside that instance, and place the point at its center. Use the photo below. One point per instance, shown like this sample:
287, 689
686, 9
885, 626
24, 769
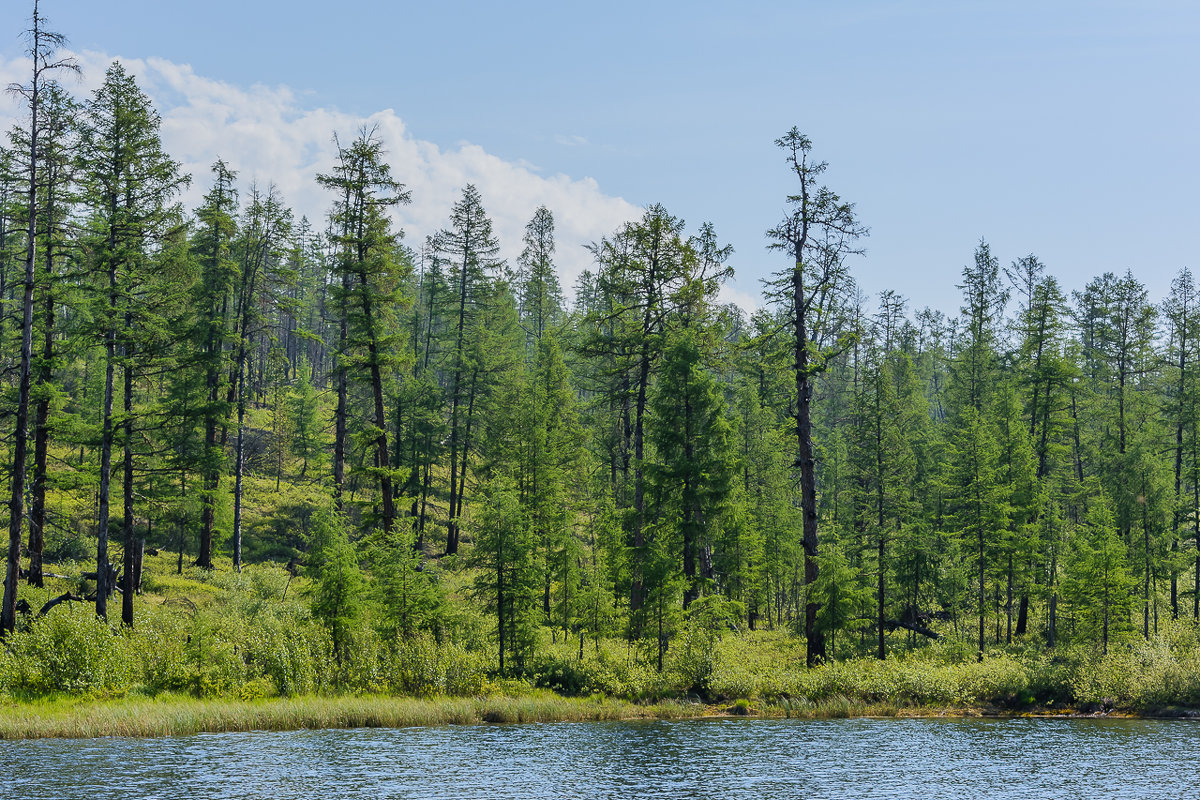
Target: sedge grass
179, 715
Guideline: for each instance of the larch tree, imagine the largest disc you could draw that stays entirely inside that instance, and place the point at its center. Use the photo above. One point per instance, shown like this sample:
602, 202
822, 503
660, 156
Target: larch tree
818, 233
262, 270
539, 297
694, 458
366, 261
129, 184
469, 252
55, 288
1181, 311
212, 246
43, 50
642, 268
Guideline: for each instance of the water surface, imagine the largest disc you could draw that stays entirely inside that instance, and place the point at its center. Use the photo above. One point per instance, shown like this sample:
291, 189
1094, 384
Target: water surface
861, 758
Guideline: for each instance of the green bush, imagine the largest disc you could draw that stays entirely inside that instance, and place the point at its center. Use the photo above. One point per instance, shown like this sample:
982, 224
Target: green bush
69, 650
158, 647
424, 668
564, 675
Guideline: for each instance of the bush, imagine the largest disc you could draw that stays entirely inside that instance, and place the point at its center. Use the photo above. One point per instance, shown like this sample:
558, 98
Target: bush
158, 647
564, 675
69, 650
424, 668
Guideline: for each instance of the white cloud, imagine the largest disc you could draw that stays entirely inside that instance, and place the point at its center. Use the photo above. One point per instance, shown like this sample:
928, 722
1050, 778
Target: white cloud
730, 293
570, 141
267, 134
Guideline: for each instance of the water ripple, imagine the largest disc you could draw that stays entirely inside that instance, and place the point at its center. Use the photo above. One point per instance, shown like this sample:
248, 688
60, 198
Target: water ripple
996, 759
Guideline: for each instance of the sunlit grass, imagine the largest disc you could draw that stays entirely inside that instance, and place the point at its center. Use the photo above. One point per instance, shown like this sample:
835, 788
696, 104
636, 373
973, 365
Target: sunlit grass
180, 715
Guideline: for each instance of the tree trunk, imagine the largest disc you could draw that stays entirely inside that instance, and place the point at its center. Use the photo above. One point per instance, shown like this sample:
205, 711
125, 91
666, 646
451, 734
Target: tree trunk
381, 443
8, 613
1008, 603
127, 486
41, 439
339, 436
456, 506
815, 647
106, 438
239, 458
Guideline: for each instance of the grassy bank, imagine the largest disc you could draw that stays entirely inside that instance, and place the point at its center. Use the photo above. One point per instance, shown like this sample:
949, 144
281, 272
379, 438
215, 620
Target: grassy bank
181, 715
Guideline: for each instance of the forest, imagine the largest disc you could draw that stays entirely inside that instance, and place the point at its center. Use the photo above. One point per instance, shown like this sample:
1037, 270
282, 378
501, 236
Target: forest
449, 455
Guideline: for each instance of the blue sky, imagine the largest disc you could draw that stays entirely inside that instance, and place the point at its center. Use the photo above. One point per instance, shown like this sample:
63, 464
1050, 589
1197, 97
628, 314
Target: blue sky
1062, 129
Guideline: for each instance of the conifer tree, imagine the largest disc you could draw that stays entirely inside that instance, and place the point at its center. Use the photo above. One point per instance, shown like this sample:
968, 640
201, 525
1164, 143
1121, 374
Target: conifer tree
372, 269
1097, 585
213, 248
1181, 312
818, 233
540, 299
262, 271
303, 411
507, 582
43, 49
469, 251
693, 464
129, 183
642, 269
55, 288
981, 503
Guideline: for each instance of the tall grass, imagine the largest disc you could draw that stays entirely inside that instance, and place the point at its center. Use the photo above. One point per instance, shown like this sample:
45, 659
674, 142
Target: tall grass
178, 715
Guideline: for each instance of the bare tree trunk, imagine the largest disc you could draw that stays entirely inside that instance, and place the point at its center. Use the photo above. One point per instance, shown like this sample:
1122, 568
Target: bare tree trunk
452, 526
106, 442
41, 441
637, 594
8, 613
339, 437
815, 647
1008, 633
127, 487
239, 458
457, 506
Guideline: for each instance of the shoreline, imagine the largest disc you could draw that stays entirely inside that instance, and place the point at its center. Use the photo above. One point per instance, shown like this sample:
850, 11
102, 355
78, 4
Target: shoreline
176, 715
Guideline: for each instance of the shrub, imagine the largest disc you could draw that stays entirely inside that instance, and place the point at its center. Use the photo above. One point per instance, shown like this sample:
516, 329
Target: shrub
424, 668
68, 650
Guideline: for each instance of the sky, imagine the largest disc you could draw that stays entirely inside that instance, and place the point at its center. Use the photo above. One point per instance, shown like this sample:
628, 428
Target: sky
1061, 129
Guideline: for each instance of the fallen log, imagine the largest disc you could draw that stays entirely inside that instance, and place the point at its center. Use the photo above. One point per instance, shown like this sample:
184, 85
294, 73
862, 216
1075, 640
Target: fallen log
68, 597
892, 624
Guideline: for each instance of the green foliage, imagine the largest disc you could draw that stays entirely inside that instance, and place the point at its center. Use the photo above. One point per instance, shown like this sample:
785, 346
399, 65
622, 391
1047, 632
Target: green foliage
845, 601
69, 651
408, 599
338, 586
422, 667
507, 582
303, 413
1096, 582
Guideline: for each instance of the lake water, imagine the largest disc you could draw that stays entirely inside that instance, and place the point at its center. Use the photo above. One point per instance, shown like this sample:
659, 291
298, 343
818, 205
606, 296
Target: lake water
862, 758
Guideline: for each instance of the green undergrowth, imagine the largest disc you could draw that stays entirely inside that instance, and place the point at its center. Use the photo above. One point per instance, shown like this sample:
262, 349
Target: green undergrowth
219, 650
768, 668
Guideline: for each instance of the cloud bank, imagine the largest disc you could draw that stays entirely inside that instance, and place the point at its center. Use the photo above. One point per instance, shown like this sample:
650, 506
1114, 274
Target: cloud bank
268, 135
